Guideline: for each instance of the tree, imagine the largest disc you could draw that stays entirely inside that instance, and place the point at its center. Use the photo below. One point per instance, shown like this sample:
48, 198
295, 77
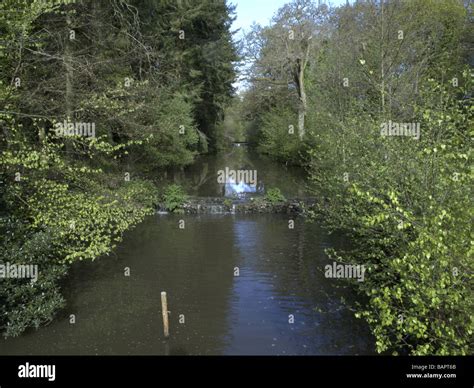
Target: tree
283, 50
194, 48
121, 66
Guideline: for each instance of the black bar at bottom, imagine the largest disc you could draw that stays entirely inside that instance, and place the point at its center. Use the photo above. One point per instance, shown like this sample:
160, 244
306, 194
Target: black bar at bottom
317, 371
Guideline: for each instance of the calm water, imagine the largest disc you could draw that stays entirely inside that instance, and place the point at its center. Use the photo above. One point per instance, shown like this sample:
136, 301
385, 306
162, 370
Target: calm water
281, 276
200, 179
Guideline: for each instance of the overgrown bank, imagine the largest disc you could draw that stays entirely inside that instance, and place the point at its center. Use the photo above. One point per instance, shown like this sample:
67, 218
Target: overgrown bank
96, 100
375, 100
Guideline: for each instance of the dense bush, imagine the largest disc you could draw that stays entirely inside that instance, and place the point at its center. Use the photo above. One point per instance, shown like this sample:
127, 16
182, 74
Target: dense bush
23, 304
279, 137
406, 205
54, 215
173, 198
154, 102
274, 196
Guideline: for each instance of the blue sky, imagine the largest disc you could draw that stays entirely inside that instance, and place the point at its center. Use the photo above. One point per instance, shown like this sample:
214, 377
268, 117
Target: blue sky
261, 11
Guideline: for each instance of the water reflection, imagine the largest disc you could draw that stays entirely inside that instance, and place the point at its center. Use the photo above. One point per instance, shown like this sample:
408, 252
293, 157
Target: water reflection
212, 310
200, 179
282, 304
233, 188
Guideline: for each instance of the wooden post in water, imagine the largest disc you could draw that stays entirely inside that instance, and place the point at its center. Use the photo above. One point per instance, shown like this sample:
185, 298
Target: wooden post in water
164, 309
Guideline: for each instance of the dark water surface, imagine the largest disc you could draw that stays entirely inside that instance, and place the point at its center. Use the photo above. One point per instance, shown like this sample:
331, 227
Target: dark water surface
280, 304
281, 274
200, 178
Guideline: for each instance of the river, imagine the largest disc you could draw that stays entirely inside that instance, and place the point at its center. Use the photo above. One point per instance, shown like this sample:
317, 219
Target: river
236, 284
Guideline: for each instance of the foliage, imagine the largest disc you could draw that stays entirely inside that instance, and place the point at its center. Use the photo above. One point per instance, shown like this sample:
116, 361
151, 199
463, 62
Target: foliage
173, 198
54, 215
274, 196
23, 304
278, 136
405, 203
192, 42
155, 101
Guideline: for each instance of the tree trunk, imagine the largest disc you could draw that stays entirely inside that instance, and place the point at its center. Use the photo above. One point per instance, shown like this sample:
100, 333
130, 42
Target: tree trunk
382, 88
42, 132
69, 79
301, 117
69, 75
303, 103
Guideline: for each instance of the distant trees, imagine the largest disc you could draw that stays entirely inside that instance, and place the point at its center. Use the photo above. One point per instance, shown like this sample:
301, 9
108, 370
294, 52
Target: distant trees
119, 63
192, 42
282, 51
371, 54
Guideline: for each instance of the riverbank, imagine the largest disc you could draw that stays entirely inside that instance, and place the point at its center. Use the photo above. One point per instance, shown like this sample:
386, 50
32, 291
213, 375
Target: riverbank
222, 205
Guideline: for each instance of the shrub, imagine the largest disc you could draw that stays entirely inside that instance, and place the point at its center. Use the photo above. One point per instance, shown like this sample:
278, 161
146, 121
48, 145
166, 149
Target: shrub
277, 141
173, 198
405, 205
274, 196
48, 222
